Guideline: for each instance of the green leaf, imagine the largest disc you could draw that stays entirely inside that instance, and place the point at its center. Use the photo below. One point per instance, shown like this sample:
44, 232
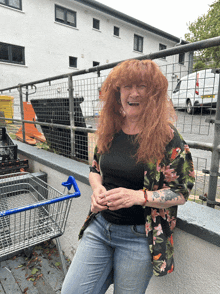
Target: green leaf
158, 240
57, 264
34, 271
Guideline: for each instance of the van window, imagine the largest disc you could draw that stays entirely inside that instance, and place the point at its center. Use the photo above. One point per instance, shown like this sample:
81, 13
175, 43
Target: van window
177, 87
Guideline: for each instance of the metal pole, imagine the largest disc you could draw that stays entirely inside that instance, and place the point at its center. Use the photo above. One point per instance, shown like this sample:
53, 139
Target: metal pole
26, 93
71, 112
212, 42
22, 112
213, 178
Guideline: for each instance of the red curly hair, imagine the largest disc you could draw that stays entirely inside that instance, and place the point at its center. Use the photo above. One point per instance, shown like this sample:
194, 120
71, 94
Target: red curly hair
157, 115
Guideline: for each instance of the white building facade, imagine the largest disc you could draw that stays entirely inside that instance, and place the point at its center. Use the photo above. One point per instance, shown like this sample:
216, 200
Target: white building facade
45, 38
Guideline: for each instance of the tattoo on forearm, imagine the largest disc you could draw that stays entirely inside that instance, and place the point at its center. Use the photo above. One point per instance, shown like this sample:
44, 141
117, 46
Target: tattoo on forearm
165, 195
156, 195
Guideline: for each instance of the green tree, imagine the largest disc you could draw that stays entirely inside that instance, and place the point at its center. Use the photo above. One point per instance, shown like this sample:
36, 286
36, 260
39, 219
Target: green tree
205, 27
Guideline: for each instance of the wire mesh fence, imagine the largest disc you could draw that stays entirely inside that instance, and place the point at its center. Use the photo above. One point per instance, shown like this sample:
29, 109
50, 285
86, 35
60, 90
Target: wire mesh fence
66, 110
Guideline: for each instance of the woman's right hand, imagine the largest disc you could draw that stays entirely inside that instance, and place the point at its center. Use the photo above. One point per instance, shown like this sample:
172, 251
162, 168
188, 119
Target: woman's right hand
95, 199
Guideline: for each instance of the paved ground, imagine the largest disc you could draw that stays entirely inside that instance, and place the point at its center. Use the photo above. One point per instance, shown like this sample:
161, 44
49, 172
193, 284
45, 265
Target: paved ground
41, 273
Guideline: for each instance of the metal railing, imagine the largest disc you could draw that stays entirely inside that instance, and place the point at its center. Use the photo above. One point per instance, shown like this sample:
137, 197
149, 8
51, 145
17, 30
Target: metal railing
67, 108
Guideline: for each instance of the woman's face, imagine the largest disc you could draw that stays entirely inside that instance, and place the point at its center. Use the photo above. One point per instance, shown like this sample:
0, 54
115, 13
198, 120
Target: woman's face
132, 99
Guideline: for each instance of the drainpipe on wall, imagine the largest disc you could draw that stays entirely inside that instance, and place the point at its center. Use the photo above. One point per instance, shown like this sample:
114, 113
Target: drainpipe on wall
177, 44
174, 63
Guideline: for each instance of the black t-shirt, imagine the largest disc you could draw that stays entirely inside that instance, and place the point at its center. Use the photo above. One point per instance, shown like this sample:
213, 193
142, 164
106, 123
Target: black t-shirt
119, 169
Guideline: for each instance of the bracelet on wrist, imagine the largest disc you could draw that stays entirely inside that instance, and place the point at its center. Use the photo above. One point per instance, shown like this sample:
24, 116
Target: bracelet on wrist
145, 196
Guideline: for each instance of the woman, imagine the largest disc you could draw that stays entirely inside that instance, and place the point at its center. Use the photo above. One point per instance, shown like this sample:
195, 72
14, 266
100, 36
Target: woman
142, 170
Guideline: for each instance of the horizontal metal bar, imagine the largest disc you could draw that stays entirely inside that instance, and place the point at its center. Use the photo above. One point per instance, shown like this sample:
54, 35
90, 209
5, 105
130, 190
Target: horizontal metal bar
192, 144
212, 42
203, 146
39, 204
76, 194
52, 125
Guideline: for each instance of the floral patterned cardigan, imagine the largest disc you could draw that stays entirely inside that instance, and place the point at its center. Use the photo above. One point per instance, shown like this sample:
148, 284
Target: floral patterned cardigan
175, 171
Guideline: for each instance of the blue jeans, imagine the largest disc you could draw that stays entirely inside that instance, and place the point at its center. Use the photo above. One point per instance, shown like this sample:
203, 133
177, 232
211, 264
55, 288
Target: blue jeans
107, 254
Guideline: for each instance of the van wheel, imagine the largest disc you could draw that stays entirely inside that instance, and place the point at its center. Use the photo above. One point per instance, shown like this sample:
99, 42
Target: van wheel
189, 108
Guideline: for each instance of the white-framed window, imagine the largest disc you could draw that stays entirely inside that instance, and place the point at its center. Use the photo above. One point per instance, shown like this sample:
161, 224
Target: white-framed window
66, 16
12, 3
96, 24
181, 58
116, 31
162, 47
72, 61
12, 53
138, 43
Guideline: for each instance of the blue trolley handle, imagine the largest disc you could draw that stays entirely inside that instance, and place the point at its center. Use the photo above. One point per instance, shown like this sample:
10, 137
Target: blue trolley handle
72, 182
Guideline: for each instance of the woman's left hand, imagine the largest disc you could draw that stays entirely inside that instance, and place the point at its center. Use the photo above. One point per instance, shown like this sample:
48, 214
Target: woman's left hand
122, 198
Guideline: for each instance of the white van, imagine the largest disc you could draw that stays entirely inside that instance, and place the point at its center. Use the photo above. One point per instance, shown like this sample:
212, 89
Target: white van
196, 90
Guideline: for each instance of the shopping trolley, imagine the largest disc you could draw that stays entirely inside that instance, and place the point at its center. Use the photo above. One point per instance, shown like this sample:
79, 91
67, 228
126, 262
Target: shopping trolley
31, 211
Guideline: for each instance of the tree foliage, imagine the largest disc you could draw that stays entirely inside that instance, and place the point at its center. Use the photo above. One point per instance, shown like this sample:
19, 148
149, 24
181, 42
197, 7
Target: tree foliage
205, 27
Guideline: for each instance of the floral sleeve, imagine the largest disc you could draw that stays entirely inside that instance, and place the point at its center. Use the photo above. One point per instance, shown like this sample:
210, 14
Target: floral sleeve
175, 171
95, 163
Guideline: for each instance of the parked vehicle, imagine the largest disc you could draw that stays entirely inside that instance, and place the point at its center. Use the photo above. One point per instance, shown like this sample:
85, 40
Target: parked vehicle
196, 90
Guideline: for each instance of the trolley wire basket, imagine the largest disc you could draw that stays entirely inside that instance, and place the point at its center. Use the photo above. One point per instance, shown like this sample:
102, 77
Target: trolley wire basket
31, 211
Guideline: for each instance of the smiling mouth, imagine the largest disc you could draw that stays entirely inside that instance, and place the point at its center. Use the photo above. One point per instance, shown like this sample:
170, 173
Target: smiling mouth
133, 103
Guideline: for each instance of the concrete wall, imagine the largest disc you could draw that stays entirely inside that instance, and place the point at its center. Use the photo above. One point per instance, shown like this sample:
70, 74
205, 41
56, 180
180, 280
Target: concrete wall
196, 238
48, 44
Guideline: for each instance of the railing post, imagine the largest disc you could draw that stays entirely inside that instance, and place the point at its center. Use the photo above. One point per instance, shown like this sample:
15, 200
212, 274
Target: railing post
213, 178
26, 93
22, 112
71, 113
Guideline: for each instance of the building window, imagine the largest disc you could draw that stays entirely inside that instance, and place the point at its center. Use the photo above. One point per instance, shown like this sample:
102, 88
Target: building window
138, 43
96, 24
96, 63
11, 53
12, 3
181, 58
65, 16
162, 47
72, 61
116, 31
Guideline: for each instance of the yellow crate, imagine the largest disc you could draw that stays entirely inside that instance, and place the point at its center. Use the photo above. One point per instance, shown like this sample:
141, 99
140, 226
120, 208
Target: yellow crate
7, 106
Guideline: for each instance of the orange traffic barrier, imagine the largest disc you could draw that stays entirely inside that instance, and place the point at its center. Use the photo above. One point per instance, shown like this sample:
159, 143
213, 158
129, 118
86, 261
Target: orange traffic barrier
31, 132
27, 140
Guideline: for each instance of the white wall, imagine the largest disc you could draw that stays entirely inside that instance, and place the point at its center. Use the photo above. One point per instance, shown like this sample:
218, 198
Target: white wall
48, 44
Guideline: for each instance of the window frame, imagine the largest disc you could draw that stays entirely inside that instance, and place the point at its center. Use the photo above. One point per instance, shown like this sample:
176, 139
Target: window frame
115, 27
65, 10
181, 58
162, 47
97, 22
10, 54
11, 6
139, 38
75, 61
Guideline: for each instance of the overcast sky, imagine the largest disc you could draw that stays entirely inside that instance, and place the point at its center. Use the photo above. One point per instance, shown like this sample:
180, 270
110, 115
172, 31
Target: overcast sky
170, 16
